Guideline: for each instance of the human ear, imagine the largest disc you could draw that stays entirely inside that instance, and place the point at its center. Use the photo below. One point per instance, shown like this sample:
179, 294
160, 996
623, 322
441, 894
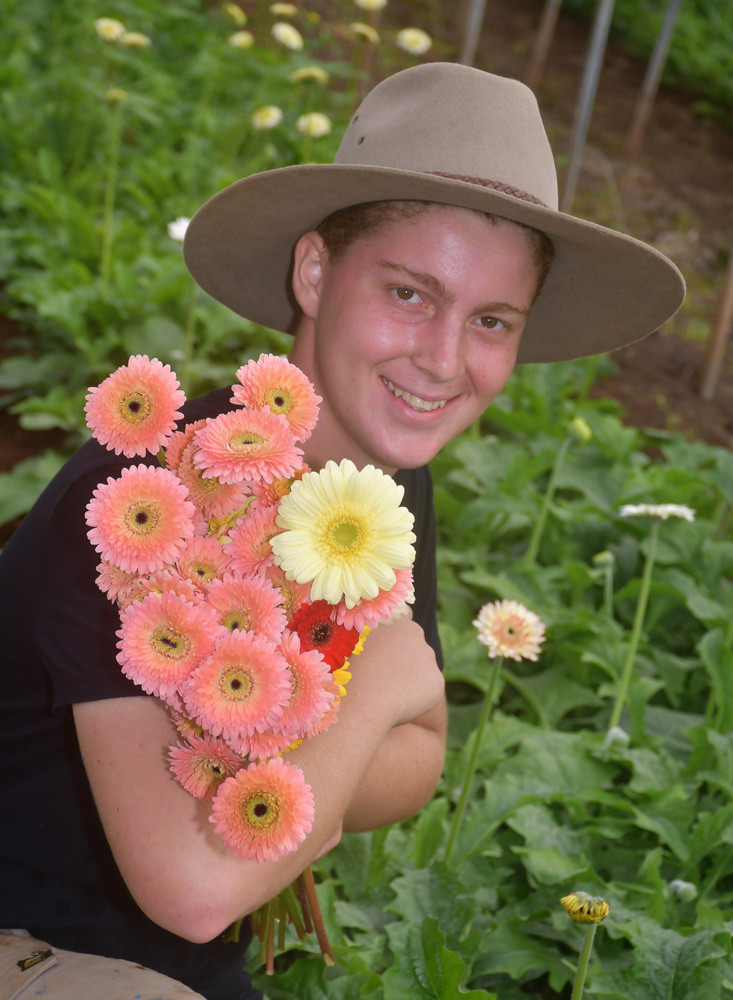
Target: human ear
309, 264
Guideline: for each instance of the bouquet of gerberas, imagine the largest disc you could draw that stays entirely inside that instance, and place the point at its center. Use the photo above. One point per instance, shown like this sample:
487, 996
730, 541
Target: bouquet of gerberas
245, 583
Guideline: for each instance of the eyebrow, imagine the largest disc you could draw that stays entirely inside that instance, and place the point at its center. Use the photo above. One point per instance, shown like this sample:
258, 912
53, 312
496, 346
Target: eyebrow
437, 287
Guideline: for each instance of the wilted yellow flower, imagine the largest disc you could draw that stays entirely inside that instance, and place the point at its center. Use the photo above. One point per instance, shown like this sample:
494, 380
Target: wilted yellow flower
116, 94
371, 4
283, 9
267, 117
236, 13
584, 908
305, 74
287, 35
604, 558
241, 40
414, 40
314, 124
109, 29
365, 31
581, 429
135, 39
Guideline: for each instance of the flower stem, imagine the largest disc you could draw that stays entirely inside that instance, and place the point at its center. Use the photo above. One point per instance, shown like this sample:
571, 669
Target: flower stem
646, 582
110, 192
471, 766
583, 962
530, 555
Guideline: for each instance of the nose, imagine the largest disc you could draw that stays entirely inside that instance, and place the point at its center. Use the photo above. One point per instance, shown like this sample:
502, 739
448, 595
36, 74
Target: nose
439, 352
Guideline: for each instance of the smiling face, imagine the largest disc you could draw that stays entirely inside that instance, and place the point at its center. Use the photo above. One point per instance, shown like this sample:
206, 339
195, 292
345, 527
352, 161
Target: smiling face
411, 333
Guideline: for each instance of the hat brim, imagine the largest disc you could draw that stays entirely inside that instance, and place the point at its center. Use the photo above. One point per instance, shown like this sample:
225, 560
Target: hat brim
604, 289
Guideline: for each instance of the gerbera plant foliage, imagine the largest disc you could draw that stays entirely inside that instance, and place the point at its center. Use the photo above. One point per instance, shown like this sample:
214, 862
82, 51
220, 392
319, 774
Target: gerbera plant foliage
245, 581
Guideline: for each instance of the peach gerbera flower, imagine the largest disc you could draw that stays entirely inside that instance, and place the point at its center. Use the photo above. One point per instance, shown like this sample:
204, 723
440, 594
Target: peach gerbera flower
113, 581
270, 494
249, 542
510, 629
264, 811
141, 521
135, 409
388, 604
242, 686
311, 688
292, 595
264, 746
213, 498
246, 444
163, 581
275, 382
203, 561
162, 638
250, 604
202, 764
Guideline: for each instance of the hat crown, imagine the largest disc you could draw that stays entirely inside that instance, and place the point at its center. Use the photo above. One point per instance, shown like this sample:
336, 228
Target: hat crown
452, 119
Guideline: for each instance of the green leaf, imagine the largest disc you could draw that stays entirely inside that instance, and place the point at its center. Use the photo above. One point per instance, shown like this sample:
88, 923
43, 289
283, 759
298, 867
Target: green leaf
426, 970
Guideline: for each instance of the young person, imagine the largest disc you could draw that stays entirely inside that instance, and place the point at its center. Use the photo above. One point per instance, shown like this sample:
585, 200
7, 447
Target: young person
413, 272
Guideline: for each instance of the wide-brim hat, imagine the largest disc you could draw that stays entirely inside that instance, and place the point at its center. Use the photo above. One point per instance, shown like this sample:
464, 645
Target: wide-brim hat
452, 134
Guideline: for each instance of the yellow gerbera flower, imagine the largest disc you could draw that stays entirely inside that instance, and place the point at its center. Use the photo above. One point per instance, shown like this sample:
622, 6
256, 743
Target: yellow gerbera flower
365, 31
109, 28
414, 40
344, 531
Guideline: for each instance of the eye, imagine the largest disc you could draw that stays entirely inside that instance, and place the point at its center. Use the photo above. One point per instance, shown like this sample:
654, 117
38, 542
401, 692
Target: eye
490, 322
406, 294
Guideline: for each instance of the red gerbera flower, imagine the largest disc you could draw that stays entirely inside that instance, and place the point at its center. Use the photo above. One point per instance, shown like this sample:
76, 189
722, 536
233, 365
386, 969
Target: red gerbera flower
317, 630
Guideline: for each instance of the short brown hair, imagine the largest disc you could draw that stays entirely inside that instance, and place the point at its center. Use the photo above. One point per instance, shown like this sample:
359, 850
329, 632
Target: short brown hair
347, 225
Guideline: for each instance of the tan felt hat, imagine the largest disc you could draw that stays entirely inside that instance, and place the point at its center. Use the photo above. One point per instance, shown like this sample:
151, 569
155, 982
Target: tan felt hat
451, 134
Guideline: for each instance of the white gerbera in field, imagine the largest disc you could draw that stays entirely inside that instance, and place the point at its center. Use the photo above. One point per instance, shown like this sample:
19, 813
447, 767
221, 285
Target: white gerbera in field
343, 530
314, 124
414, 40
287, 35
663, 510
266, 117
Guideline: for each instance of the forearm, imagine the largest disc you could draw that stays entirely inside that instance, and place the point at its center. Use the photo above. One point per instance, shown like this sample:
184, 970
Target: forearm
402, 775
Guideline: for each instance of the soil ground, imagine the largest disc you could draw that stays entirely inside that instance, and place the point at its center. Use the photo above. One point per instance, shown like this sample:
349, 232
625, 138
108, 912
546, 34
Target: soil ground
677, 194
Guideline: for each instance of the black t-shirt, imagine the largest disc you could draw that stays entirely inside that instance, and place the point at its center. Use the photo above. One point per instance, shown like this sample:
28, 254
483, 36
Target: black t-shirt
58, 877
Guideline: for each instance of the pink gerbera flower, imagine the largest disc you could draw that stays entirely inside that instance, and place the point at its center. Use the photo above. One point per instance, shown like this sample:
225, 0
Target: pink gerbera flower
249, 547
311, 689
113, 581
263, 746
178, 442
212, 497
275, 382
163, 581
264, 811
386, 605
162, 638
134, 410
202, 764
141, 521
242, 686
270, 494
250, 604
246, 444
293, 595
203, 561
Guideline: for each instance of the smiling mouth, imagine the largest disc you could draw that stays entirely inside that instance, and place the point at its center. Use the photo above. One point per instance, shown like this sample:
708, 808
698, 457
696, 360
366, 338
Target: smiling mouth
414, 401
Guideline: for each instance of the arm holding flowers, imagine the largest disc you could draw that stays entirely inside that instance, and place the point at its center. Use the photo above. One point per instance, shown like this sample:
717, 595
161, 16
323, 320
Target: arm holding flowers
175, 866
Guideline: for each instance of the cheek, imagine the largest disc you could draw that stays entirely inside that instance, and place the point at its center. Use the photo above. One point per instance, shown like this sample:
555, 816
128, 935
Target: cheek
490, 374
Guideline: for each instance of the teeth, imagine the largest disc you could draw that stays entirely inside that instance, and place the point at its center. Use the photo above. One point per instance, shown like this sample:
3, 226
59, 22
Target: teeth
414, 401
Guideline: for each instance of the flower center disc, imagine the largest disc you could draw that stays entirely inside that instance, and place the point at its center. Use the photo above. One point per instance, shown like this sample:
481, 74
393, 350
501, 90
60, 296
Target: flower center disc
235, 684
279, 400
141, 518
345, 534
261, 809
135, 407
237, 618
169, 643
246, 440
